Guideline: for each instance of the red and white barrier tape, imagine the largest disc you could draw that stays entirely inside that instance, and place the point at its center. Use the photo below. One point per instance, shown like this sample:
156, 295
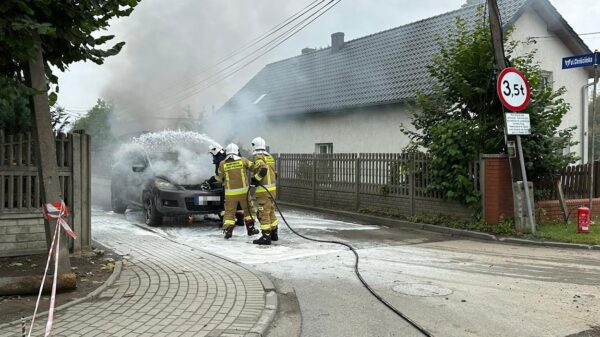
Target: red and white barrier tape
56, 210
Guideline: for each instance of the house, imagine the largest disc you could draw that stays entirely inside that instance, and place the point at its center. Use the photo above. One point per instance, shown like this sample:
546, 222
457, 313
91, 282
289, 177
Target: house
352, 96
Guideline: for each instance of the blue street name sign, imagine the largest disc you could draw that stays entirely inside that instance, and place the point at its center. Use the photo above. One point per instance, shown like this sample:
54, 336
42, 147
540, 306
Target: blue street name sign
586, 60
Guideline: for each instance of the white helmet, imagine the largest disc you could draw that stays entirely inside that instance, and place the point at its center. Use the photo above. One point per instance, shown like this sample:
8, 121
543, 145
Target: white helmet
258, 144
232, 149
214, 149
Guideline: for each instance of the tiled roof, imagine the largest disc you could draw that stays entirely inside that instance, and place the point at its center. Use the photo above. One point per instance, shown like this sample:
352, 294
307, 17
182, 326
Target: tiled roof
386, 67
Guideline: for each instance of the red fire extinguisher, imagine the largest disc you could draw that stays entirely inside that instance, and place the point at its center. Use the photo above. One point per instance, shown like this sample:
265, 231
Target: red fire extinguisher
583, 220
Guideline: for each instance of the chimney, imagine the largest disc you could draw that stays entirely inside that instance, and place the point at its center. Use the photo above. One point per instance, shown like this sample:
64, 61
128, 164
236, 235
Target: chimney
337, 41
308, 50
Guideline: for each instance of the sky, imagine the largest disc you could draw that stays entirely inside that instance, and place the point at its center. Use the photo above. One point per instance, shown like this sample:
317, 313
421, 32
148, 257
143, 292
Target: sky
170, 44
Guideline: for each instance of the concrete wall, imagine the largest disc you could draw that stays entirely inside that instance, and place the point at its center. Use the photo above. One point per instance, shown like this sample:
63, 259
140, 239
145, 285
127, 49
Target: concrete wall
550, 52
22, 234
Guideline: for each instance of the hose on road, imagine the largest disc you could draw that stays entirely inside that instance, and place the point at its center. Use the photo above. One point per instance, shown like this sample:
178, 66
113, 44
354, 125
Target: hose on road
356, 271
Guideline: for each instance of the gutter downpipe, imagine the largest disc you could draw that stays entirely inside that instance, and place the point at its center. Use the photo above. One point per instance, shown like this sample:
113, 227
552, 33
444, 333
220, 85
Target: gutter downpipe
586, 133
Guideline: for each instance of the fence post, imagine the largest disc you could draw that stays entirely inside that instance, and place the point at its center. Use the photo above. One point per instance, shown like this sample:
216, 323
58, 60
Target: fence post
86, 168
76, 200
277, 173
357, 181
411, 182
314, 180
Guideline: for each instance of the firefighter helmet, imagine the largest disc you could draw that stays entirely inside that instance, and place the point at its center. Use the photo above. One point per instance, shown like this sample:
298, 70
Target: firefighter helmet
214, 149
232, 149
258, 144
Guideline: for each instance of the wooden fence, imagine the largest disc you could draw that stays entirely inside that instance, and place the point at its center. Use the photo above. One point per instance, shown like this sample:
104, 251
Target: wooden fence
575, 182
389, 182
20, 193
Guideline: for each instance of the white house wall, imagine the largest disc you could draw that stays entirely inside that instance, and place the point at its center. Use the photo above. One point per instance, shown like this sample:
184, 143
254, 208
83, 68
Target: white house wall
367, 130
550, 52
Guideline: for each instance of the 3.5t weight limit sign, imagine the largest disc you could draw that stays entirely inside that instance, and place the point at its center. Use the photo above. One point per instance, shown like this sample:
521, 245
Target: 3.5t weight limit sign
513, 89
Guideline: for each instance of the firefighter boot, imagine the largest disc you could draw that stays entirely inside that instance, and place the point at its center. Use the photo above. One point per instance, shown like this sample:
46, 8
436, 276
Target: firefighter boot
265, 239
228, 231
250, 228
239, 218
274, 235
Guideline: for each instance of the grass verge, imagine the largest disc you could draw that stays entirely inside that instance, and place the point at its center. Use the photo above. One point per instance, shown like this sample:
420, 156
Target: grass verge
558, 231
548, 231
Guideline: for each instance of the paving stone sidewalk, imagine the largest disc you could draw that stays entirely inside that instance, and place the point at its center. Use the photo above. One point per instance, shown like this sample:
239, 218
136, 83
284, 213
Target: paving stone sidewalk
165, 289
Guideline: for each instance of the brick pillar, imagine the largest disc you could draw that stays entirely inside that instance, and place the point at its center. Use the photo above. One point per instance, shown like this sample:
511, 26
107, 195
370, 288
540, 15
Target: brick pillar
497, 197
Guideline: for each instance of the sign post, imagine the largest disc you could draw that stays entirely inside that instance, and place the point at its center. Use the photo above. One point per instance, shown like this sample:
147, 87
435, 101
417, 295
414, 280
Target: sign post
514, 93
578, 61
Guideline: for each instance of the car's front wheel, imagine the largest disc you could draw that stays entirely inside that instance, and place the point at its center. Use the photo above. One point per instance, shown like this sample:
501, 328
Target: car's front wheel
152, 215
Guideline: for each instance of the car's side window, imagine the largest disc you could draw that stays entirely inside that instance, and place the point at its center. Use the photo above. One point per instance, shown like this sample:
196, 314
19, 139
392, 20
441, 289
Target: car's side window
138, 162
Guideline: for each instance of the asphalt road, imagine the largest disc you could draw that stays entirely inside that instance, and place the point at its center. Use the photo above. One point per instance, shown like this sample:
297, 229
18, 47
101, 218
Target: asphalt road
451, 287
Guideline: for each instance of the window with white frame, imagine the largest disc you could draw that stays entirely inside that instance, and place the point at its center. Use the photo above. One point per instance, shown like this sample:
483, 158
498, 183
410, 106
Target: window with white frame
323, 148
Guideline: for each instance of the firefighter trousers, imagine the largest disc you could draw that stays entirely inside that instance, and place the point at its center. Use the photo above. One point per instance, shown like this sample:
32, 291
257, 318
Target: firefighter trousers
266, 211
231, 204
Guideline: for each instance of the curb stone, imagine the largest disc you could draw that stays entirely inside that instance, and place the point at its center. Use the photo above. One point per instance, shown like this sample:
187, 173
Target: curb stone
548, 243
271, 302
91, 296
441, 229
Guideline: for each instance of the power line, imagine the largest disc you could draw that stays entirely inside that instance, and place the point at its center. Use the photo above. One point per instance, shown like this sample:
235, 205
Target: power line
273, 44
554, 36
251, 45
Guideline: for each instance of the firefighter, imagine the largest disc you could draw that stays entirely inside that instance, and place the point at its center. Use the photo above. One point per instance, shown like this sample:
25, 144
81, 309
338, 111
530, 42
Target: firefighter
218, 155
264, 179
232, 172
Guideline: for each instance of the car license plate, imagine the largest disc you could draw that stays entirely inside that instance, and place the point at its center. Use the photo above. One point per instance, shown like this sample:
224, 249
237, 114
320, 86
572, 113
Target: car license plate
203, 199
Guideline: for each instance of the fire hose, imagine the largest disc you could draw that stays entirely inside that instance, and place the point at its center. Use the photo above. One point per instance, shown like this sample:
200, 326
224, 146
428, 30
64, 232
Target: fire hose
356, 271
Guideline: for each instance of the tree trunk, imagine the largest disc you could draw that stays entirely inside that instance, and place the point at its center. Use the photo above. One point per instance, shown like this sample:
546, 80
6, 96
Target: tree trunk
46, 152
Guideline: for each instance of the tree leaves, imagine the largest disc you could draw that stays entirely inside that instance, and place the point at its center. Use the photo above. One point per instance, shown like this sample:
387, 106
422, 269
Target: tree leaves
461, 117
65, 28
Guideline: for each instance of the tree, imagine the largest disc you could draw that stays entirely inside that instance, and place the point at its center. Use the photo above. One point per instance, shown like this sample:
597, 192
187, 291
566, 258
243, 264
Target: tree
461, 117
66, 30
97, 124
38, 34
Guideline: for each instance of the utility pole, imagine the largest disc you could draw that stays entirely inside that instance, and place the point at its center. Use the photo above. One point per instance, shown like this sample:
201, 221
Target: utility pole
499, 56
45, 150
517, 163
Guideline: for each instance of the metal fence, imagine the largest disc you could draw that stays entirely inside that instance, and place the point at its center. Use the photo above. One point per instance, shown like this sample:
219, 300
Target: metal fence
20, 190
391, 182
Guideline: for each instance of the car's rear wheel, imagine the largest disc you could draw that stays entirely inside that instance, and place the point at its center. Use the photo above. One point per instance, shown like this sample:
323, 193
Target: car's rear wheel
152, 215
116, 202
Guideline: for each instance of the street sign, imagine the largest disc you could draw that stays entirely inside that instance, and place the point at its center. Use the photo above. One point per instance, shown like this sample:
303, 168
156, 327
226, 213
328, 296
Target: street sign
517, 124
586, 60
513, 89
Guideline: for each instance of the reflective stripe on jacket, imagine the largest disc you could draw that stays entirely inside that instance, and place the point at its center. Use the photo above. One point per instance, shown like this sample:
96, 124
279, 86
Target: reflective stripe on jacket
233, 174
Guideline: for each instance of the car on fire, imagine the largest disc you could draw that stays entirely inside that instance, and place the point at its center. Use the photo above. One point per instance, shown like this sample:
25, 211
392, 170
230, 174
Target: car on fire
144, 179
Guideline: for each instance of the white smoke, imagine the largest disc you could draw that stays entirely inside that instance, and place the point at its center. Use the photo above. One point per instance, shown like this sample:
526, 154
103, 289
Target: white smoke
180, 156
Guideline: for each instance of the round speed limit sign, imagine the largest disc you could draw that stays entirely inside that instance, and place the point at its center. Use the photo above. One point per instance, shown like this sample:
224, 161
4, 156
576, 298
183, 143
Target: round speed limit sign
513, 89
